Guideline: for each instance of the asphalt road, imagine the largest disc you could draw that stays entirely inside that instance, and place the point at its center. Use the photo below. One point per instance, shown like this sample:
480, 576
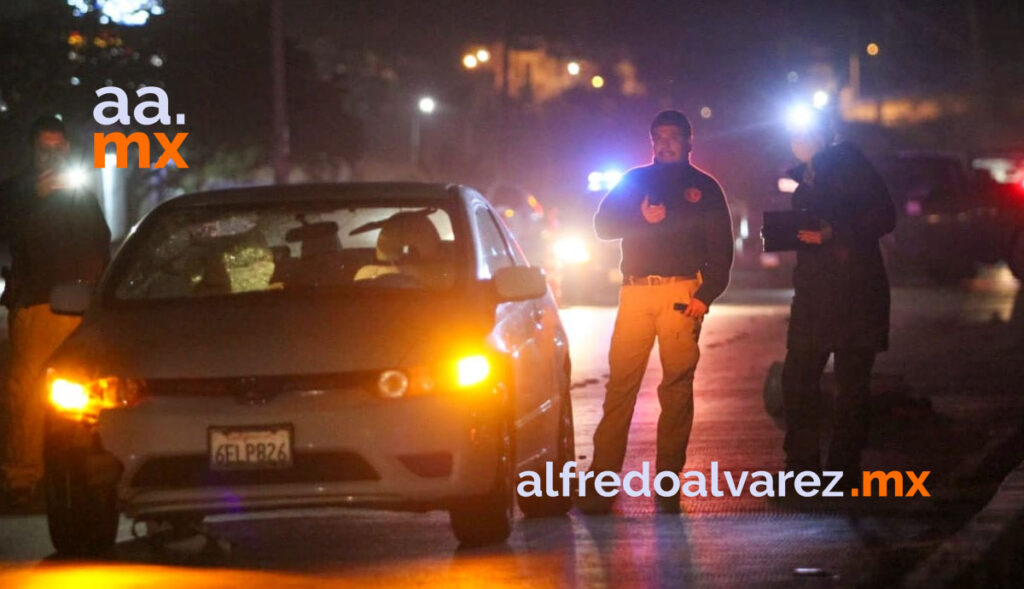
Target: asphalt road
949, 347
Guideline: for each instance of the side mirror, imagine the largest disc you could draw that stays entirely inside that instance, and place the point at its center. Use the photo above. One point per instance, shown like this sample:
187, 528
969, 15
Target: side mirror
519, 283
72, 298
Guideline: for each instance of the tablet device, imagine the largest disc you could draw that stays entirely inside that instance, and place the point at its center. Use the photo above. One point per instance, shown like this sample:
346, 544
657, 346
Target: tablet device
779, 229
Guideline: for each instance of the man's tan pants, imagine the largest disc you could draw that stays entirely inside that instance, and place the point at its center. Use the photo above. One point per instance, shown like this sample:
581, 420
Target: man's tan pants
35, 335
646, 312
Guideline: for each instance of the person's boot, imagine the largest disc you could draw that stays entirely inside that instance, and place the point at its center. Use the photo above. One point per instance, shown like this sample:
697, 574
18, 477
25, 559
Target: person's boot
593, 503
670, 504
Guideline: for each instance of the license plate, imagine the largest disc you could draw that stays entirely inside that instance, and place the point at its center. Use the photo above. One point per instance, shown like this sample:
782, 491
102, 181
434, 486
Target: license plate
258, 447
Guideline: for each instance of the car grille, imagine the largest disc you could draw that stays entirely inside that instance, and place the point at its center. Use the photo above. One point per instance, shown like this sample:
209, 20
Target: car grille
259, 389
193, 470
276, 383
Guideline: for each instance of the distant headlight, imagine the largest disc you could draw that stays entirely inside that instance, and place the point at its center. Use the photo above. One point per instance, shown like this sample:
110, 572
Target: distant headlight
80, 399
788, 185
571, 250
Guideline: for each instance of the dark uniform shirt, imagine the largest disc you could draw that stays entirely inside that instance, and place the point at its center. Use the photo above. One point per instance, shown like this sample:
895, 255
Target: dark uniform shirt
696, 234
56, 239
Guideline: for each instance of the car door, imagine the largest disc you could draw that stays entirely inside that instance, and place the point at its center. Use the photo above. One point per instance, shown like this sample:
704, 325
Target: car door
552, 344
515, 332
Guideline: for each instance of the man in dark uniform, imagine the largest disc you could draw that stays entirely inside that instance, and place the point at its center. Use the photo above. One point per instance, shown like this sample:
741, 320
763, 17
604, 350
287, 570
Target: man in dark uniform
58, 235
677, 249
841, 301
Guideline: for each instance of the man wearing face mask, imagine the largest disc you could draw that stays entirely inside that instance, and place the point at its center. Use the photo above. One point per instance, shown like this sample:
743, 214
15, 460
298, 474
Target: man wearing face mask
58, 235
841, 297
677, 248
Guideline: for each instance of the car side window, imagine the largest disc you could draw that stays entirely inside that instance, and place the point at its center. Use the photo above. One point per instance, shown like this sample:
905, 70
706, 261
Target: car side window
494, 253
514, 246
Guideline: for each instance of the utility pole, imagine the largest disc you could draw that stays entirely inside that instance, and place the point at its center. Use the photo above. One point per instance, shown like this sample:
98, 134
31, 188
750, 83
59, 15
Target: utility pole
982, 104
503, 104
280, 94
414, 141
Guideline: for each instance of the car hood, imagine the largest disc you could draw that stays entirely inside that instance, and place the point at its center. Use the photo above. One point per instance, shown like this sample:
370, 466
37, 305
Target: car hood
226, 338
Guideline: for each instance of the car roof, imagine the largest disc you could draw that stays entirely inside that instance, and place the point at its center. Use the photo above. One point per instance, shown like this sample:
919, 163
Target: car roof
339, 192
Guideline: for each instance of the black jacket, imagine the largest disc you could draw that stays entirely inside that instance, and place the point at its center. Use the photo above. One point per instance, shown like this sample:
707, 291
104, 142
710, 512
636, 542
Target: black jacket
696, 234
841, 298
57, 239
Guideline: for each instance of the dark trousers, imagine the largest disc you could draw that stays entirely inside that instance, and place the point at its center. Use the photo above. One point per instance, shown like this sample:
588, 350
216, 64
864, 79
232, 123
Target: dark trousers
802, 403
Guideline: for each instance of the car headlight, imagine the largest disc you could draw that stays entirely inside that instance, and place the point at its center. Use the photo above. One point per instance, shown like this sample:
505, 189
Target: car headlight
472, 370
68, 396
79, 398
571, 250
464, 372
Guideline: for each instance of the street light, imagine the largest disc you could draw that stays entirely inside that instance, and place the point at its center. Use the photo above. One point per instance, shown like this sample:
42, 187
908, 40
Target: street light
574, 68
483, 56
872, 49
705, 112
470, 61
597, 82
426, 106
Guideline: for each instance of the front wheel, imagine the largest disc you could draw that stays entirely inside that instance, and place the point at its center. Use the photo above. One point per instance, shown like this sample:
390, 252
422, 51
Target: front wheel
487, 519
82, 519
545, 506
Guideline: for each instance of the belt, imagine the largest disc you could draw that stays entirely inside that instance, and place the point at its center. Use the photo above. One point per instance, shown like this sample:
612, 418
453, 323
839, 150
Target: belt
654, 280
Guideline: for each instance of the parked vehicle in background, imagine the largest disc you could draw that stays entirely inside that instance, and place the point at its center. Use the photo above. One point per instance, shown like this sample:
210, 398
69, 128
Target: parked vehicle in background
953, 216
1001, 173
586, 268
559, 237
527, 218
954, 213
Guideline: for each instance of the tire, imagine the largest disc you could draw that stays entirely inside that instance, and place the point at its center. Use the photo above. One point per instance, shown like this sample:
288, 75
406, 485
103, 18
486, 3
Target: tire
772, 392
82, 520
487, 519
1016, 258
545, 506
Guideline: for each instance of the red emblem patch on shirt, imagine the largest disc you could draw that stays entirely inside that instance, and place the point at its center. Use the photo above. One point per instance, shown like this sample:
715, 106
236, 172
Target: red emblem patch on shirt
693, 195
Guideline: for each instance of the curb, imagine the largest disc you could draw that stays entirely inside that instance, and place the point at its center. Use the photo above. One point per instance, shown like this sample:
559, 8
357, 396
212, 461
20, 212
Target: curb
986, 552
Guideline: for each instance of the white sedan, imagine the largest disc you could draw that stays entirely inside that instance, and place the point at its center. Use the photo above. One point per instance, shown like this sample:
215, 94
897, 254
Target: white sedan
377, 345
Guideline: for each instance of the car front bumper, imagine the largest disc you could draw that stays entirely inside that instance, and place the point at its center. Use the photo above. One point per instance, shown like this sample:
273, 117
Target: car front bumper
349, 447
